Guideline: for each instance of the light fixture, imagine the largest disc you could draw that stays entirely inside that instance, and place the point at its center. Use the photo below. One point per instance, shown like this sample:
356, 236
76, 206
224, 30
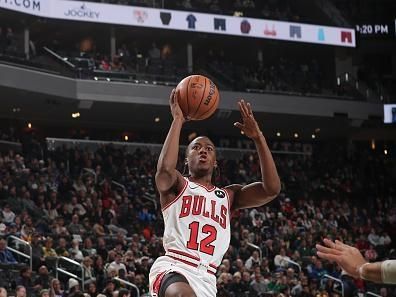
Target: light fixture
29, 125
385, 151
243, 133
313, 136
278, 134
295, 135
95, 78
108, 79
75, 115
126, 138
373, 144
157, 119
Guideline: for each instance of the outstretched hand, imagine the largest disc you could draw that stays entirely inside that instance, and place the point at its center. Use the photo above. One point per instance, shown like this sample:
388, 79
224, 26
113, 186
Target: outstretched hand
249, 124
347, 257
176, 111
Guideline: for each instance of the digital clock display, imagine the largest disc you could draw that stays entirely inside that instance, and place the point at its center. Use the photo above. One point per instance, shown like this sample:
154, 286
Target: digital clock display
377, 29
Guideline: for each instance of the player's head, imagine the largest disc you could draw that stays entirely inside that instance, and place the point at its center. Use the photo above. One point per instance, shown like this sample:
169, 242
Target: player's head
201, 157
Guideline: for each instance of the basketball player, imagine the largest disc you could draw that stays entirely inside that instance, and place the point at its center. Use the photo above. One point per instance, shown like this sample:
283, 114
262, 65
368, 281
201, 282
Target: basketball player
197, 213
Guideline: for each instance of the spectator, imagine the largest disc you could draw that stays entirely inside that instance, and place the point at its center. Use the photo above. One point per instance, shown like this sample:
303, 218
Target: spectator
75, 227
61, 250
6, 256
73, 286
88, 249
24, 280
8, 214
116, 264
43, 279
75, 252
253, 261
258, 285
55, 288
20, 291
3, 291
48, 251
281, 260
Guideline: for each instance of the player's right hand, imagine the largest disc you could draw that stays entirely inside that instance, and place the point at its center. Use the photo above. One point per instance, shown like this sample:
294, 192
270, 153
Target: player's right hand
175, 108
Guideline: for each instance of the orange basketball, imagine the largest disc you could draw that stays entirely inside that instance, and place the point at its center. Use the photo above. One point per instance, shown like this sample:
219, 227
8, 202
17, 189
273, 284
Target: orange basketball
198, 97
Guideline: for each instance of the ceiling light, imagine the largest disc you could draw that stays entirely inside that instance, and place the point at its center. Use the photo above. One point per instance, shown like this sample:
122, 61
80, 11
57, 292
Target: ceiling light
126, 138
385, 151
313, 136
29, 125
278, 134
295, 135
75, 115
157, 119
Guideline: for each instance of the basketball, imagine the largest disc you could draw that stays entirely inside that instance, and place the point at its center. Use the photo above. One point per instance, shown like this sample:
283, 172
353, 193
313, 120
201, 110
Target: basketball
198, 97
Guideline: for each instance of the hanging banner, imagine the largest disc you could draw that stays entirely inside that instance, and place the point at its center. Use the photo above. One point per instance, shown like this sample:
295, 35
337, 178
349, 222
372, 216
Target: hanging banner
186, 21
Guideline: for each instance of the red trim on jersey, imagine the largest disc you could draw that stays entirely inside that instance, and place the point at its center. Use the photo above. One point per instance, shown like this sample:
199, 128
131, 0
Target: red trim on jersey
229, 202
184, 254
190, 256
157, 282
209, 190
213, 266
192, 264
178, 196
184, 261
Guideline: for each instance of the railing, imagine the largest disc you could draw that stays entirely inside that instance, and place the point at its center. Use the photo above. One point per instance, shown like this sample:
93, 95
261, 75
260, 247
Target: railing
338, 281
25, 243
294, 263
128, 284
58, 57
379, 94
256, 247
92, 172
59, 269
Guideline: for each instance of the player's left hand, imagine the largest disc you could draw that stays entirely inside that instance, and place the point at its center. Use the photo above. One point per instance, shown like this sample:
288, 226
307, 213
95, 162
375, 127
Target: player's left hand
249, 124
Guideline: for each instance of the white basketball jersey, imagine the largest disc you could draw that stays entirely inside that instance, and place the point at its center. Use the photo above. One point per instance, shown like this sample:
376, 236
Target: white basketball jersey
197, 224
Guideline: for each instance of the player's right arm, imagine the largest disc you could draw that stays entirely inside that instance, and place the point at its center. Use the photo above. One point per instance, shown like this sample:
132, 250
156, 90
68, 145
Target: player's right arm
168, 180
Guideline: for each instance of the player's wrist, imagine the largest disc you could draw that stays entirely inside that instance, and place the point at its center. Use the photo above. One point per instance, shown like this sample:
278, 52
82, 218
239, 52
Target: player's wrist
259, 136
361, 271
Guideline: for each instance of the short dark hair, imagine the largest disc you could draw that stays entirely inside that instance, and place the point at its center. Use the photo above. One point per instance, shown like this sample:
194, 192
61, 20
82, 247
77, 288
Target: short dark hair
123, 292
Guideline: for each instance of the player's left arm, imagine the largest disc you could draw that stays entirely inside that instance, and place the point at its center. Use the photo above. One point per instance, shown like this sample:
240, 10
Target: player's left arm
257, 193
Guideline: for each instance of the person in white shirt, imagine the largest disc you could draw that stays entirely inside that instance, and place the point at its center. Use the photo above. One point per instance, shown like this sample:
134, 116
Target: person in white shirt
8, 214
253, 260
281, 260
116, 264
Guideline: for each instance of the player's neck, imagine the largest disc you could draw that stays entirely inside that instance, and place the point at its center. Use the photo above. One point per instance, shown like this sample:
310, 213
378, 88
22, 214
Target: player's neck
203, 180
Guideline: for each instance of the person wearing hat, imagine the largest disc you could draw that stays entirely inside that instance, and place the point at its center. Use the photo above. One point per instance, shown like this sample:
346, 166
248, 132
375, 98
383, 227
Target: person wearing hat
73, 286
44, 293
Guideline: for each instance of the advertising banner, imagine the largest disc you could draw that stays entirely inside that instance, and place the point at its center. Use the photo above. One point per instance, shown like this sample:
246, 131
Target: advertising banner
186, 21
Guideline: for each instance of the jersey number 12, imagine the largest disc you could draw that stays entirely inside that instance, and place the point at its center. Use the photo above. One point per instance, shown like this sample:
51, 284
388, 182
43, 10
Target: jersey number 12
205, 245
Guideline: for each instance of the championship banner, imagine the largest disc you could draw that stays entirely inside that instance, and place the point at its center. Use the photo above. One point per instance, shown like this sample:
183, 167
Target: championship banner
185, 21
